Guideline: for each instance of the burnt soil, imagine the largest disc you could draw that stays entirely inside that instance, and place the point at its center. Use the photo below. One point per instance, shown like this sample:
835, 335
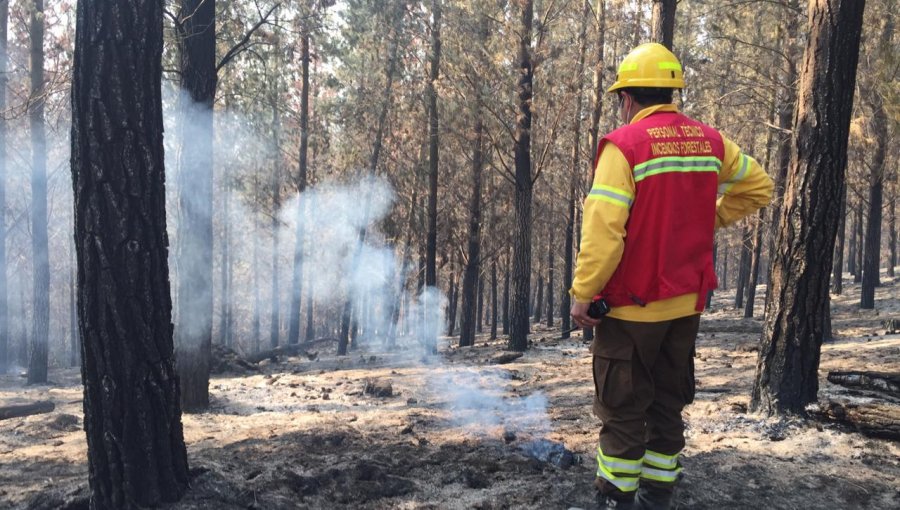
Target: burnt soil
305, 433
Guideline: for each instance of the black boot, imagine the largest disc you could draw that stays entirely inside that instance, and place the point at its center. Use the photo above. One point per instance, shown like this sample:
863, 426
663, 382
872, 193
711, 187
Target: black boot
652, 498
608, 503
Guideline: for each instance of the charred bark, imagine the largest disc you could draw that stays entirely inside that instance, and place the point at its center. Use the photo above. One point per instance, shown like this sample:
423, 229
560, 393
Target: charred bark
136, 451
524, 185
797, 307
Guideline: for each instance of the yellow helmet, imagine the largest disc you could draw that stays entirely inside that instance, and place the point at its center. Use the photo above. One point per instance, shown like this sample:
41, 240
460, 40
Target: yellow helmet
649, 65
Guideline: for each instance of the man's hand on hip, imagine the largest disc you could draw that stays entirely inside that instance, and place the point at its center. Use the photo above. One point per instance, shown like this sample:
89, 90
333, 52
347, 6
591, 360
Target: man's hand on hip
580, 315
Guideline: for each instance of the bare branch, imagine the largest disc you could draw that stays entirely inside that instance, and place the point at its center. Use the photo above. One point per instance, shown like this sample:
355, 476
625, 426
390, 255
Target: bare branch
244, 43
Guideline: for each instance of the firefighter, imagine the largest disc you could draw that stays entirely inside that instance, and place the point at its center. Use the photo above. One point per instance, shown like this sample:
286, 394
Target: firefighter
662, 184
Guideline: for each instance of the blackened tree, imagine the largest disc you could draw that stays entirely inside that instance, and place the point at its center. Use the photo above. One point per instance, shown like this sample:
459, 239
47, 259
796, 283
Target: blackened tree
797, 306
132, 413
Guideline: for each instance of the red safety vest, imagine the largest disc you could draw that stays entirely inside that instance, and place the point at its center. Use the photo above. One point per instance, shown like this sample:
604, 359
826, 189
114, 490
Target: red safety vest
669, 233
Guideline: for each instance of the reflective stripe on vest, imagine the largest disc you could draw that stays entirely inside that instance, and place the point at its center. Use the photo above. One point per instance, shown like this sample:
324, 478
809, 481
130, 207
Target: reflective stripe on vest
676, 164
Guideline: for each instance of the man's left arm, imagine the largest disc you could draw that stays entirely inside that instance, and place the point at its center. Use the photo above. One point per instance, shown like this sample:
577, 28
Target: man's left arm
744, 185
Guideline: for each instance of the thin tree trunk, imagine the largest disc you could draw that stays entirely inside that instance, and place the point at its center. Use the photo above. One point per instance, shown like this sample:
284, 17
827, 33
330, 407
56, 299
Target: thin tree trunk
471, 279
786, 109
4, 290
506, 296
494, 300
797, 307
524, 183
433, 144
837, 272
851, 256
136, 452
725, 268
275, 311
454, 300
226, 271
37, 363
349, 316
194, 247
296, 286
480, 321
892, 233
550, 282
575, 170
664, 21
872, 252
539, 299
754, 264
744, 267
255, 322
860, 247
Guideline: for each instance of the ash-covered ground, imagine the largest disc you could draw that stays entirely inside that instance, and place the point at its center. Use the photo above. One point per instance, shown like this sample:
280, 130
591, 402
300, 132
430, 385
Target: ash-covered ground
460, 431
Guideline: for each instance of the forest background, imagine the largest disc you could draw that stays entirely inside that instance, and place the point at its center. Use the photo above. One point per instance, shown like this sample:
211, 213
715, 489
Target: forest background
401, 123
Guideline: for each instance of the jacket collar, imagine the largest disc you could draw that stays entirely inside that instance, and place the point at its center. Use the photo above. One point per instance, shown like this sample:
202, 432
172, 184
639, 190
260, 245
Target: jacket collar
650, 110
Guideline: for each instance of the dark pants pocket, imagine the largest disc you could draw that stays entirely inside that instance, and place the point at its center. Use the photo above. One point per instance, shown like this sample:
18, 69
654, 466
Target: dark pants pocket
613, 383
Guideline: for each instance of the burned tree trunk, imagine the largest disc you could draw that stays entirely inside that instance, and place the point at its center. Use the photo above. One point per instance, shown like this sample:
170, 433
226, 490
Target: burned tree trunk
664, 21
433, 139
40, 331
744, 267
872, 252
754, 264
892, 233
471, 292
136, 451
837, 272
506, 297
494, 300
550, 282
798, 303
860, 247
524, 185
194, 244
296, 284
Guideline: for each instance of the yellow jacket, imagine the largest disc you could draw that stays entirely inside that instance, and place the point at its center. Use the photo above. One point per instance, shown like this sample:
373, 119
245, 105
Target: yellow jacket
603, 226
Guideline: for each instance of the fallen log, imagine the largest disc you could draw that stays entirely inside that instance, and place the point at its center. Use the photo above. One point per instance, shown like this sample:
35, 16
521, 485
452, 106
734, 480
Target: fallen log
284, 350
21, 410
870, 417
881, 382
504, 358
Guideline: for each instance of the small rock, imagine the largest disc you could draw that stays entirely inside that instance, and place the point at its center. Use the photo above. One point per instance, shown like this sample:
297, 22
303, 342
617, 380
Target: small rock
379, 387
411, 401
509, 436
64, 422
407, 429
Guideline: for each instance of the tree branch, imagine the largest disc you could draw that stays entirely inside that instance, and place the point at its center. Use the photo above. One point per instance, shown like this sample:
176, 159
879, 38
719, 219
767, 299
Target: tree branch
244, 43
